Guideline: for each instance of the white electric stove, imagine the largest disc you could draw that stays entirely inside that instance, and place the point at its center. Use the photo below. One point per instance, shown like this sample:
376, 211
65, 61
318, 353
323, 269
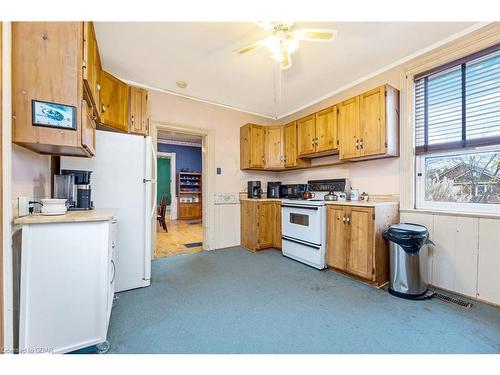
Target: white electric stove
303, 223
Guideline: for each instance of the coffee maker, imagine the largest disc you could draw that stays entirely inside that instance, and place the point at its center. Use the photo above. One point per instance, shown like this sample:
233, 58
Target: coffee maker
74, 186
254, 190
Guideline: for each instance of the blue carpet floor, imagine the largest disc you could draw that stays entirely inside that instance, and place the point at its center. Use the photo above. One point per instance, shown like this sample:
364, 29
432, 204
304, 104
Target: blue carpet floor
234, 301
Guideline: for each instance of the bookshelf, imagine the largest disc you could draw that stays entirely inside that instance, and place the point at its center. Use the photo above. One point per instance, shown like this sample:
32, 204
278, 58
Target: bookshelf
189, 195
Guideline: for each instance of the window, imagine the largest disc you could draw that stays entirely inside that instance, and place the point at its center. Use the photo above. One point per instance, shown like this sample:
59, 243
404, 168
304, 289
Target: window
457, 134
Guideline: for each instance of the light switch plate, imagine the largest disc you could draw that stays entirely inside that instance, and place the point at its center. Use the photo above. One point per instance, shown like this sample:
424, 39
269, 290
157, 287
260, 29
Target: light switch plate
23, 206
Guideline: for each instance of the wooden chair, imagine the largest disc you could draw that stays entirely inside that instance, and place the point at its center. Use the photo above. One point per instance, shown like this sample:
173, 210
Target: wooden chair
161, 213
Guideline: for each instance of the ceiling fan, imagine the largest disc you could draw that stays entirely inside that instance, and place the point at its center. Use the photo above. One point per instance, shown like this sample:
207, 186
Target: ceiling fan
285, 40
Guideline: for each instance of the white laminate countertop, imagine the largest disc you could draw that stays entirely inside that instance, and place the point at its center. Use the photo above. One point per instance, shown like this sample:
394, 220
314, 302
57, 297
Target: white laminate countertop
99, 214
363, 203
338, 203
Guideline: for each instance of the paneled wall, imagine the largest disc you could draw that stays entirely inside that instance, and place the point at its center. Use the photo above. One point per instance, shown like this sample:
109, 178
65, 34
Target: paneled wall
466, 255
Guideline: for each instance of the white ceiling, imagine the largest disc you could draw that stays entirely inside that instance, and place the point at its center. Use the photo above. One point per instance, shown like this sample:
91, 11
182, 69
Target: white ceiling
157, 54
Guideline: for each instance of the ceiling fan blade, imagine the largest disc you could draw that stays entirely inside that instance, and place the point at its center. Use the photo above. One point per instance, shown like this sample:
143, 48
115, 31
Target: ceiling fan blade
250, 47
315, 35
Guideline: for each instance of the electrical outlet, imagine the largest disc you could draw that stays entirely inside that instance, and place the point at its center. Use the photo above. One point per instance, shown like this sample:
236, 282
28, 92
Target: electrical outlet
23, 206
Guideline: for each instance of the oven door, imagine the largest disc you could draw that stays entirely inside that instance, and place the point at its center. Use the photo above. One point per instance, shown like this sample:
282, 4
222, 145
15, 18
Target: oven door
302, 222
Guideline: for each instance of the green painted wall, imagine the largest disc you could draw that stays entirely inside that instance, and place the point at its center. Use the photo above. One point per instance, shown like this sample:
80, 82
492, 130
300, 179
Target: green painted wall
163, 180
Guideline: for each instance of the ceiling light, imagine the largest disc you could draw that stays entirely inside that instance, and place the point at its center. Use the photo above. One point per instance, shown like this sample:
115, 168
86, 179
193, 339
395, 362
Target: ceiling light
181, 84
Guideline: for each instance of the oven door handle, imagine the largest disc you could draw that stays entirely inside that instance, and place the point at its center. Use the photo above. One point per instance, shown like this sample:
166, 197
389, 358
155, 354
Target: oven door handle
285, 238
304, 207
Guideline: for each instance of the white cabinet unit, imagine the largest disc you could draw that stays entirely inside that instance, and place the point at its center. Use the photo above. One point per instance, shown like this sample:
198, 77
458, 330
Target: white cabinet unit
67, 281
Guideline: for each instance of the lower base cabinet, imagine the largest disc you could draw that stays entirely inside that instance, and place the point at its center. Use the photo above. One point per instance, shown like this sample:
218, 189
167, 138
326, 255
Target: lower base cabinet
354, 240
67, 285
260, 224
189, 211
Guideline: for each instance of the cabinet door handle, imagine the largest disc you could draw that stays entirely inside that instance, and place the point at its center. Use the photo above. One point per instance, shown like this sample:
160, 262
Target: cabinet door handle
312, 142
316, 141
357, 144
103, 108
132, 118
361, 143
98, 87
348, 220
343, 219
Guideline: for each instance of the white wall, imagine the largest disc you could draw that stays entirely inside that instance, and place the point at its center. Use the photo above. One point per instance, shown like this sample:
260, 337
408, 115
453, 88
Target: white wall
30, 174
466, 258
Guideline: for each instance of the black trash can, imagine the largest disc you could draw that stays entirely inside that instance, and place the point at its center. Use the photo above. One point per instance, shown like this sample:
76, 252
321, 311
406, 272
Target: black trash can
408, 260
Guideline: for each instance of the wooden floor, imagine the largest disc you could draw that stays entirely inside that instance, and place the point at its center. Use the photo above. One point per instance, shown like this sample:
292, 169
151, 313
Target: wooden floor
180, 232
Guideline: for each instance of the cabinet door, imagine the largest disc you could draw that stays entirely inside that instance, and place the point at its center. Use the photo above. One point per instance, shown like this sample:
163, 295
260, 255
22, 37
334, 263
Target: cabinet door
277, 224
257, 146
138, 111
249, 221
361, 241
88, 128
90, 64
372, 122
326, 130
114, 102
274, 147
306, 134
290, 144
265, 226
348, 121
337, 237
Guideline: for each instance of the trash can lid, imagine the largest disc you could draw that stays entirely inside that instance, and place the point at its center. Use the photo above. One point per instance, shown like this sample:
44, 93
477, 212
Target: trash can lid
409, 228
409, 236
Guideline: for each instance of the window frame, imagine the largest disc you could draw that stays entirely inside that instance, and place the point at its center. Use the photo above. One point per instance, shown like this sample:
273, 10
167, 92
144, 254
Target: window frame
453, 207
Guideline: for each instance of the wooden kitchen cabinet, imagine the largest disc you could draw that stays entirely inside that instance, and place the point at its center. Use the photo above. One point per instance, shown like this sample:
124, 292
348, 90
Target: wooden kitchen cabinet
306, 134
326, 130
88, 128
354, 240
259, 224
47, 66
274, 144
252, 147
91, 67
276, 223
317, 133
290, 149
138, 116
114, 102
189, 211
369, 125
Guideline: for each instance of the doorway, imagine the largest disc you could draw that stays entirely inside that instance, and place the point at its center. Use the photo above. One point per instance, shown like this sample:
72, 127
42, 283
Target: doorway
179, 194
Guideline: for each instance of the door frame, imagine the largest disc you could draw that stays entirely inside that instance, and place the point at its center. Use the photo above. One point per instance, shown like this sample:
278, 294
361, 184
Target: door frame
173, 203
208, 174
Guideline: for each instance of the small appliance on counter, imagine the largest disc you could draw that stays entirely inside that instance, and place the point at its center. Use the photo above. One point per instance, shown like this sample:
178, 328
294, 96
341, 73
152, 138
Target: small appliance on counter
293, 191
74, 186
274, 189
254, 190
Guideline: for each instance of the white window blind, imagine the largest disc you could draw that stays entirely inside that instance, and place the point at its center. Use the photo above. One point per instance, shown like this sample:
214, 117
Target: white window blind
458, 105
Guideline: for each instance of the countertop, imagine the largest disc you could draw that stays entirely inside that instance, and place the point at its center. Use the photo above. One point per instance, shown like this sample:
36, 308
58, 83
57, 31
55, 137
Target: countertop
100, 214
344, 203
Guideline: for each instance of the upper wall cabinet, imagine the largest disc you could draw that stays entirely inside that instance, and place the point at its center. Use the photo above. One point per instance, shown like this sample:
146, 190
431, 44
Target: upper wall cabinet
369, 125
252, 147
275, 147
91, 67
114, 102
138, 117
291, 160
317, 134
47, 87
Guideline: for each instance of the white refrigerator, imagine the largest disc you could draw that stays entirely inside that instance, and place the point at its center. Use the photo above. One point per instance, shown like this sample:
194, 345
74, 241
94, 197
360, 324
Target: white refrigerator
123, 177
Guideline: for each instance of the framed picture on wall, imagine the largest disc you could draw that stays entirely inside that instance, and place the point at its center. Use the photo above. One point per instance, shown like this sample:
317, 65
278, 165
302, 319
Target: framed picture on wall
53, 115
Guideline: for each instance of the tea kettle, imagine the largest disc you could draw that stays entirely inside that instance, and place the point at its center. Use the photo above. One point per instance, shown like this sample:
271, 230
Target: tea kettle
330, 196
